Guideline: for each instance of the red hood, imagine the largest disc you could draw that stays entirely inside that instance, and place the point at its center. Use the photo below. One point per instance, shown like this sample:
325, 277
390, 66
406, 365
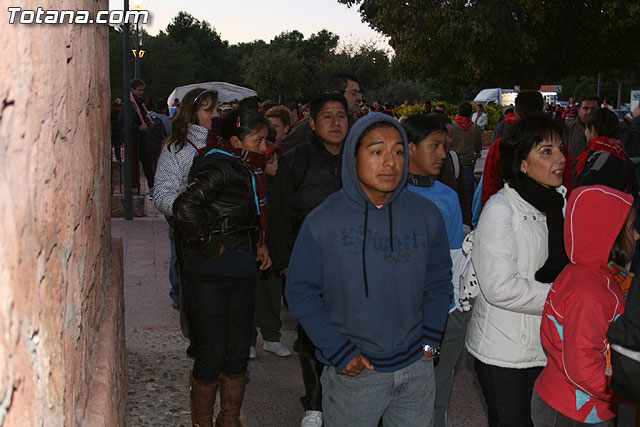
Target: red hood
594, 217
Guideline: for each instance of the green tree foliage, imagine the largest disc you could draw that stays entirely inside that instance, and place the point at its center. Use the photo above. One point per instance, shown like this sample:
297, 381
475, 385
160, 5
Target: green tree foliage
289, 66
502, 43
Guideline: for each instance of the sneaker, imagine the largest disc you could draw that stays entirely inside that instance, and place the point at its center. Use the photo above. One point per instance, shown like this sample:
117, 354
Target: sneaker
311, 419
252, 352
276, 348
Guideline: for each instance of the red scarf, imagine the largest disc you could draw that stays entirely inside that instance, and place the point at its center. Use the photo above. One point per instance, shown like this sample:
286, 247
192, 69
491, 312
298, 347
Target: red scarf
510, 118
256, 163
464, 122
601, 143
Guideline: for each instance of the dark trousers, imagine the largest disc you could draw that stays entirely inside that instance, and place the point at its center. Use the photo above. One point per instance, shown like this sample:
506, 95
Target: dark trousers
147, 163
507, 392
311, 371
268, 303
220, 321
544, 415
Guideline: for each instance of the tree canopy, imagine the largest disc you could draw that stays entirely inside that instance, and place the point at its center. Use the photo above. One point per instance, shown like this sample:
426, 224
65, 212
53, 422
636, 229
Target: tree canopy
497, 42
289, 66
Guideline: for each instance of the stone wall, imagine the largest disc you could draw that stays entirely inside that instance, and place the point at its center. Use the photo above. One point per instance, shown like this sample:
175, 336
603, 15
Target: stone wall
61, 314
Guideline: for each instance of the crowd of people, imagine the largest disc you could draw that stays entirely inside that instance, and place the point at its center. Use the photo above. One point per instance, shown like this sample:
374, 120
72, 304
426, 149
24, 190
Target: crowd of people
377, 234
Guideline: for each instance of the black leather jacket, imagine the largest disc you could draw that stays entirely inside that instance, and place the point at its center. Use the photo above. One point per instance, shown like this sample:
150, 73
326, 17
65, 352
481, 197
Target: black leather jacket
218, 208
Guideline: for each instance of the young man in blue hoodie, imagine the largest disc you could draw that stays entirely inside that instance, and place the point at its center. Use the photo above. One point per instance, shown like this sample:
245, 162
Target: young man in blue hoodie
370, 281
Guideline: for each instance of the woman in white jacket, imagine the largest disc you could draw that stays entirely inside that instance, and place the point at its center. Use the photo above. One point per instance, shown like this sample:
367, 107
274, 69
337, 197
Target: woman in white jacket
518, 251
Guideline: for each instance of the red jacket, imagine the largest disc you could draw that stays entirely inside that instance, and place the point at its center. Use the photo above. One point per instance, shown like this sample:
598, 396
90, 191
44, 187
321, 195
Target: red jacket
492, 182
581, 304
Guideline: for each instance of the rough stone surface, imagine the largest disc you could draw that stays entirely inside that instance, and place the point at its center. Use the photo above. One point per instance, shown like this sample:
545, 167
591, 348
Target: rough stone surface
56, 292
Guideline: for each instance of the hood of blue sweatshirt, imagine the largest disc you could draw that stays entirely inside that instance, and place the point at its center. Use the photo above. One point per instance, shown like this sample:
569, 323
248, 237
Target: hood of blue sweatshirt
371, 280
350, 181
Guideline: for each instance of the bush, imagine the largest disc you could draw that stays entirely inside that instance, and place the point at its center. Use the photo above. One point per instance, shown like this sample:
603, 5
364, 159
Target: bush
451, 110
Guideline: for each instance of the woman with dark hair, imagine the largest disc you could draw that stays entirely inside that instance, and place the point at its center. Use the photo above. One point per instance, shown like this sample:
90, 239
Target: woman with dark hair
517, 253
189, 131
221, 230
573, 389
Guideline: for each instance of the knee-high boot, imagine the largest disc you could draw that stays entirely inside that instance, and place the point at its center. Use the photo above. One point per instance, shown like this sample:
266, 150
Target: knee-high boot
203, 398
231, 395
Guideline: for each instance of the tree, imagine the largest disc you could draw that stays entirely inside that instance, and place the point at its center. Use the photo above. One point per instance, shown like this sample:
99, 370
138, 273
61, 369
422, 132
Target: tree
201, 40
502, 43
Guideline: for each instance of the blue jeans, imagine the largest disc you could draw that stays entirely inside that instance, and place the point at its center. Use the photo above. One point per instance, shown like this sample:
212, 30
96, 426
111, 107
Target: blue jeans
470, 181
403, 398
174, 277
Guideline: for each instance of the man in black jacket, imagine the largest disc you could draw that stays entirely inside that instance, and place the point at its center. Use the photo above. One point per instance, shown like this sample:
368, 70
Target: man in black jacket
342, 83
306, 176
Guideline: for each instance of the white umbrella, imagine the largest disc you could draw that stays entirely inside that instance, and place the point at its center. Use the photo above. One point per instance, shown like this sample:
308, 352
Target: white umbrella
227, 92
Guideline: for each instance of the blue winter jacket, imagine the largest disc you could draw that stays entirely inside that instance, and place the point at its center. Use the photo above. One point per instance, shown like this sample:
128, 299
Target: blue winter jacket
383, 293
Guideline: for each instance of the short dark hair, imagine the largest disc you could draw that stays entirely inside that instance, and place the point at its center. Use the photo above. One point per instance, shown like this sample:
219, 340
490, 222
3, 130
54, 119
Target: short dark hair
589, 97
136, 83
420, 126
372, 126
242, 122
605, 121
338, 82
520, 139
249, 102
318, 102
464, 109
529, 101
439, 115
291, 104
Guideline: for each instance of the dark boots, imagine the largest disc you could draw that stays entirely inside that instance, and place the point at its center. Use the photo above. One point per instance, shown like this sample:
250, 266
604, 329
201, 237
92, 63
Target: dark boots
203, 397
231, 395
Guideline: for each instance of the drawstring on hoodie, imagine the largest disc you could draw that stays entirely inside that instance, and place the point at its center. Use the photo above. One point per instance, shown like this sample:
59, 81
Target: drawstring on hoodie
364, 243
391, 226
364, 249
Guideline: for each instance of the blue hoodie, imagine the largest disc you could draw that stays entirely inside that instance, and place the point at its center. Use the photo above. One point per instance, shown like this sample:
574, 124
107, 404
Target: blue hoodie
383, 293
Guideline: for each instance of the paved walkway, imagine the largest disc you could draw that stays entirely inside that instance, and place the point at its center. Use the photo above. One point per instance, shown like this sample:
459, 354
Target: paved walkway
158, 366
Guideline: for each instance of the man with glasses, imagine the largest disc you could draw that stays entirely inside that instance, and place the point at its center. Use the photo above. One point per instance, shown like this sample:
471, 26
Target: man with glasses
342, 83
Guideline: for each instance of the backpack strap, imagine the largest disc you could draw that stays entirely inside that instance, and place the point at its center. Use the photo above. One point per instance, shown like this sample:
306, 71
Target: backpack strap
456, 163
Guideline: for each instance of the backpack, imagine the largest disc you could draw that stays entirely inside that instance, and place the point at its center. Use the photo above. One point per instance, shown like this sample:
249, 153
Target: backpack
469, 288
624, 338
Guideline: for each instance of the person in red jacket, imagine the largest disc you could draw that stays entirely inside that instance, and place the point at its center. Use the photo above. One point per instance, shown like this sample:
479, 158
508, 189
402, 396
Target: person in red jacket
584, 299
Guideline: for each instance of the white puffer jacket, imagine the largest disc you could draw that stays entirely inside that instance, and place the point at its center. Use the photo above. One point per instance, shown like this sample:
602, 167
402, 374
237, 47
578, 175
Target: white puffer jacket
510, 245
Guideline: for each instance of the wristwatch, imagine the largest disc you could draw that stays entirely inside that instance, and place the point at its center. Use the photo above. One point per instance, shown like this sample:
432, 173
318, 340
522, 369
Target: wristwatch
434, 351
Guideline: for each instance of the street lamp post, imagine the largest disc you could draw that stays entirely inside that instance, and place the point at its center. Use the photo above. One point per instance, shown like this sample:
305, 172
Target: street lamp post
126, 108
137, 73
137, 5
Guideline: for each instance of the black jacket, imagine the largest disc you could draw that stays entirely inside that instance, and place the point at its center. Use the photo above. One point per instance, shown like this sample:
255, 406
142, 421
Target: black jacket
306, 176
217, 208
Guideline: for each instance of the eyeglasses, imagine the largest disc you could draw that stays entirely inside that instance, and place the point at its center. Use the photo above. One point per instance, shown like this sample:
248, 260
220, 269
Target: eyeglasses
354, 92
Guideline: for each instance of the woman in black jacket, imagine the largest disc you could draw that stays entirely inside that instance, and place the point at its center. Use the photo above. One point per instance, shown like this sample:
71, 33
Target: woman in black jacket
220, 219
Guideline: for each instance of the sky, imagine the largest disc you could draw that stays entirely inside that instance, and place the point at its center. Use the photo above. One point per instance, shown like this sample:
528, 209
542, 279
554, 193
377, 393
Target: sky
247, 20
